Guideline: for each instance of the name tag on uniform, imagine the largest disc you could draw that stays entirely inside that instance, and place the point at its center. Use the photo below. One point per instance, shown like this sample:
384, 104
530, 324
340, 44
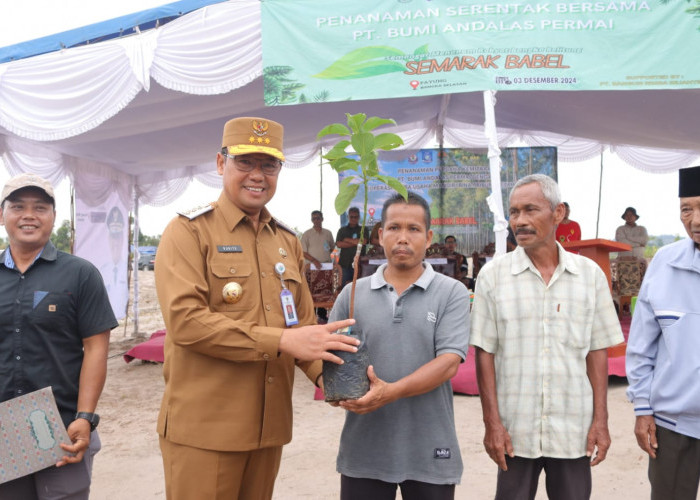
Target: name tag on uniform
229, 248
288, 308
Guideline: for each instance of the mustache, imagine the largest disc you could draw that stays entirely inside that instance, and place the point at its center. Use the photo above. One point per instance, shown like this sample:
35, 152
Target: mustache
402, 249
524, 230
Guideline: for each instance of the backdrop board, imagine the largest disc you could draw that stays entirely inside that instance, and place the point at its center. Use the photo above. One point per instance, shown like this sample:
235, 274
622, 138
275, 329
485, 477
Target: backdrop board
318, 50
102, 237
455, 183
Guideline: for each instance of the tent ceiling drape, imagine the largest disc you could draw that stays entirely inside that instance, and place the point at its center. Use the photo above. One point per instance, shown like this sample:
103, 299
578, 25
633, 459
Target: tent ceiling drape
147, 111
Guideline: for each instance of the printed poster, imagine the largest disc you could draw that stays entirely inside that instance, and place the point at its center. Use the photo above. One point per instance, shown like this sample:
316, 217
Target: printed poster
455, 183
102, 237
315, 50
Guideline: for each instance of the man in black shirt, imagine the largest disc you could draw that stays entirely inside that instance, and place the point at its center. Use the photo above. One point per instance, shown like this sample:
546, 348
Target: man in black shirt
55, 320
347, 239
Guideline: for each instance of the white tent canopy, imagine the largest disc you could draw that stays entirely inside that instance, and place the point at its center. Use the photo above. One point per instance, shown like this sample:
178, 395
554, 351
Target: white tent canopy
147, 111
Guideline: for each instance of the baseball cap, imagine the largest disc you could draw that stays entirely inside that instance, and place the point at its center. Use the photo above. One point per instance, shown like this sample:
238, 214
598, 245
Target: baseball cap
24, 181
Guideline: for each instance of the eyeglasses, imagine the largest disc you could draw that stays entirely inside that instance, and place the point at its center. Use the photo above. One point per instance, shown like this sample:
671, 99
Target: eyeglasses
245, 164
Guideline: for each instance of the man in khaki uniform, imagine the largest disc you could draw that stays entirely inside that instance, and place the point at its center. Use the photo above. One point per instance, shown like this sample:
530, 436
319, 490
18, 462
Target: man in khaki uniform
223, 273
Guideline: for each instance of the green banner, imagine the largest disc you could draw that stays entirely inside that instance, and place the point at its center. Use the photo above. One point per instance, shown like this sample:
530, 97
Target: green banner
317, 50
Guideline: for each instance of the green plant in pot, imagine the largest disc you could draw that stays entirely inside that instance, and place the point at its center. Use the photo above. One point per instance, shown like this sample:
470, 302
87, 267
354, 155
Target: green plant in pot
359, 163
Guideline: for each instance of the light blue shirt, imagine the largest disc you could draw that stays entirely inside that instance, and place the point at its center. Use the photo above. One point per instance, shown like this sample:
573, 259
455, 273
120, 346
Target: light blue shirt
10, 262
663, 350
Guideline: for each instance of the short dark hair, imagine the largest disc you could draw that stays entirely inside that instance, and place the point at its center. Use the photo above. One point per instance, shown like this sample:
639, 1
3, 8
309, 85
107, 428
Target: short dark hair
449, 236
317, 212
412, 199
354, 209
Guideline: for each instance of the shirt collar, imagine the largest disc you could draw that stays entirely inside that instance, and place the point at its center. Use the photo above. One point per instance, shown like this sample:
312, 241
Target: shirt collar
47, 253
689, 258
521, 262
234, 215
377, 279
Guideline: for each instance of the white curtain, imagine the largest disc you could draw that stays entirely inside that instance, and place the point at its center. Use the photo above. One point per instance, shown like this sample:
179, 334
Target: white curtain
211, 51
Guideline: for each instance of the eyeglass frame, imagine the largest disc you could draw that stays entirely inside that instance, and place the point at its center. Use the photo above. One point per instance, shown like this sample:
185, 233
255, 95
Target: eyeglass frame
258, 163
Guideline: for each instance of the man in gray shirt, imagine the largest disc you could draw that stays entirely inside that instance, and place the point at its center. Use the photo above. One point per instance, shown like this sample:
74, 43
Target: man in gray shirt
416, 326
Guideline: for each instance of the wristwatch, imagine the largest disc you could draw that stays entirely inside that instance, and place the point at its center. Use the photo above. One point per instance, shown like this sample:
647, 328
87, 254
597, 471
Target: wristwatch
93, 418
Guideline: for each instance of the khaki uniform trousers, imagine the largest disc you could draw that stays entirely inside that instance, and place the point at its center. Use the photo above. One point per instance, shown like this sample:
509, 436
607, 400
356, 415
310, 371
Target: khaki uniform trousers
217, 475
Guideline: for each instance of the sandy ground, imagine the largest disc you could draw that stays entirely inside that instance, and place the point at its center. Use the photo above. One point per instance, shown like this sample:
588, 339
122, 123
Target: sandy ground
129, 465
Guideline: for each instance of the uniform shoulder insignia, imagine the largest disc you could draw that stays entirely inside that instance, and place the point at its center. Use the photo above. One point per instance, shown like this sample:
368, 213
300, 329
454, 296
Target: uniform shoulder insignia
284, 226
196, 211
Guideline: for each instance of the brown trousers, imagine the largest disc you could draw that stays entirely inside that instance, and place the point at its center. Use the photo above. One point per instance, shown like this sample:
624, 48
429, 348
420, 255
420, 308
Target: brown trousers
218, 475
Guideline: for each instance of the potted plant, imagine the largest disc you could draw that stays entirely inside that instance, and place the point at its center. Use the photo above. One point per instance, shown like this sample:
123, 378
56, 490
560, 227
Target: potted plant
349, 380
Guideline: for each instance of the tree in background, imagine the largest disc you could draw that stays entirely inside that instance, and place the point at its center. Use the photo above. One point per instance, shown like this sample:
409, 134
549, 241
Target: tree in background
61, 237
148, 241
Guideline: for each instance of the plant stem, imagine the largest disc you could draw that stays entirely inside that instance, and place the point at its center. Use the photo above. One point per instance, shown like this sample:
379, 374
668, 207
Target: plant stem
356, 260
355, 270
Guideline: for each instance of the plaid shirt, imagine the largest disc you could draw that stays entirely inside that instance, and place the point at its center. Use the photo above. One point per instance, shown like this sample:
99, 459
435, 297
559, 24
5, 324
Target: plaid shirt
540, 335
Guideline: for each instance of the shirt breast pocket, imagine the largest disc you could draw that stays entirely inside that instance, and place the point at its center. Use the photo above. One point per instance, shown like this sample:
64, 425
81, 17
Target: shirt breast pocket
228, 274
573, 323
292, 278
51, 308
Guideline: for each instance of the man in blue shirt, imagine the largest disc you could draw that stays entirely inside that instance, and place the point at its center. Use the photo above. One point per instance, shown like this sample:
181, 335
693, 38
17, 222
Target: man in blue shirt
663, 357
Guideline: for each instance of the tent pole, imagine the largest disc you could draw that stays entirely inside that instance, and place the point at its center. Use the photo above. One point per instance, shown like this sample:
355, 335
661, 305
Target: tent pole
320, 182
72, 216
440, 136
135, 263
495, 199
600, 192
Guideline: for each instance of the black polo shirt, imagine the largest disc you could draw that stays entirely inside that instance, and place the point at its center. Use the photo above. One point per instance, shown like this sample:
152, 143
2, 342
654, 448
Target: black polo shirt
45, 314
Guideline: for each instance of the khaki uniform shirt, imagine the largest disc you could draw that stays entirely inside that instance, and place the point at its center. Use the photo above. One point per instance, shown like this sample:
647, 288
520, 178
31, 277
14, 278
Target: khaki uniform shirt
226, 386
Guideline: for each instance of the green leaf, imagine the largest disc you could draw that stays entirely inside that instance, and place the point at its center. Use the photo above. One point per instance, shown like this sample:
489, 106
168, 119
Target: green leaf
365, 70
355, 121
338, 150
362, 143
423, 49
343, 164
374, 122
394, 183
372, 169
387, 141
349, 63
333, 128
346, 193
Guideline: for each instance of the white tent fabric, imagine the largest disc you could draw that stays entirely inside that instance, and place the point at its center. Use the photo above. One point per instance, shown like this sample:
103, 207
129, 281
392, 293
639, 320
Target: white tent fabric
146, 112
